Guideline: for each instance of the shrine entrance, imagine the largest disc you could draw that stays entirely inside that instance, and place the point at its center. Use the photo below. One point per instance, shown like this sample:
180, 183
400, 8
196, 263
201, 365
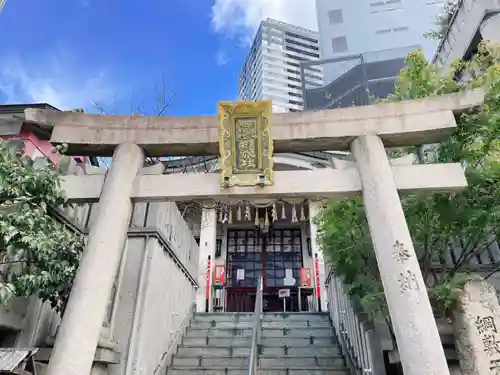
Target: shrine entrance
245, 142
276, 255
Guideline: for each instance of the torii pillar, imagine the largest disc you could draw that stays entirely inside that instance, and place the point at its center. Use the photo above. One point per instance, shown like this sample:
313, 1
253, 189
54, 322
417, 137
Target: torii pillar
78, 334
417, 335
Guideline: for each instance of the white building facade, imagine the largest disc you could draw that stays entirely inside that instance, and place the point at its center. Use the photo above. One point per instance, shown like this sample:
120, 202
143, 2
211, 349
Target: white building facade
472, 22
349, 27
272, 67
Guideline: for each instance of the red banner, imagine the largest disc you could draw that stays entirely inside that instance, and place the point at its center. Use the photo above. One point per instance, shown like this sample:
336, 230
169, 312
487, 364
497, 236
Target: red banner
219, 274
305, 277
209, 268
318, 284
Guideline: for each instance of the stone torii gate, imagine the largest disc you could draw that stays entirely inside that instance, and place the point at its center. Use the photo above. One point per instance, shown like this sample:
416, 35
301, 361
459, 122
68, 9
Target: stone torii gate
362, 130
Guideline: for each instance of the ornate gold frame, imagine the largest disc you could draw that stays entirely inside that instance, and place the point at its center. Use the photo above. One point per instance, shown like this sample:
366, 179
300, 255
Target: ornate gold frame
229, 113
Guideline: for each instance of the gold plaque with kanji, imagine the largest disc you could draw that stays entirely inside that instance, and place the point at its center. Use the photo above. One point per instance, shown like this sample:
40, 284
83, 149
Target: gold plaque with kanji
245, 143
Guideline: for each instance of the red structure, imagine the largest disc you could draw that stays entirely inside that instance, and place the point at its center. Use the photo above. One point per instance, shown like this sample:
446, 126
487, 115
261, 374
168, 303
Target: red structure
35, 139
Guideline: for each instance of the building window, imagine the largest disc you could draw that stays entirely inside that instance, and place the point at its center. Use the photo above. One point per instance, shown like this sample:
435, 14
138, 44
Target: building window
335, 16
403, 28
385, 31
339, 44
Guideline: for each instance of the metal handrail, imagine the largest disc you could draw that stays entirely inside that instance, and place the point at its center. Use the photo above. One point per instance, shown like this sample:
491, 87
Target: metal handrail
356, 333
253, 361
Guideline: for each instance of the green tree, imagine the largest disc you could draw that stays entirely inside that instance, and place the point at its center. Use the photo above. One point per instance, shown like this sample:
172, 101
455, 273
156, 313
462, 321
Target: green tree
38, 255
470, 217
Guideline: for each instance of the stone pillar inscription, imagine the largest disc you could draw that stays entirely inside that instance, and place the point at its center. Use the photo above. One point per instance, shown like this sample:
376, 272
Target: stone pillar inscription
208, 236
417, 335
477, 329
81, 326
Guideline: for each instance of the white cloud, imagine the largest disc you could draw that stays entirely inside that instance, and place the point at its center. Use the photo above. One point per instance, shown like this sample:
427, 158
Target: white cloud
221, 58
240, 18
50, 80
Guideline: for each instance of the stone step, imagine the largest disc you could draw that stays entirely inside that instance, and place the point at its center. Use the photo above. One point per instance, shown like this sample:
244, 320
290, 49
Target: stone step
306, 351
221, 324
264, 324
212, 351
297, 332
174, 370
217, 341
267, 317
297, 341
297, 324
279, 351
218, 332
210, 362
264, 362
223, 317
274, 317
302, 362
266, 332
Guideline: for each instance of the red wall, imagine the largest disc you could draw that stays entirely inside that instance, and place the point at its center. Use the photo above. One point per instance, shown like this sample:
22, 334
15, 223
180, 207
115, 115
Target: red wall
33, 143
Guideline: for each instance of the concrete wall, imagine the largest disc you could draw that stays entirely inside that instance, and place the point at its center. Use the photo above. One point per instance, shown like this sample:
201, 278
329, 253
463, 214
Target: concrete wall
154, 293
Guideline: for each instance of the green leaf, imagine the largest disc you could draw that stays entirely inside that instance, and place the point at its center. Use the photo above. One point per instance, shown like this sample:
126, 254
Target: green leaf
38, 255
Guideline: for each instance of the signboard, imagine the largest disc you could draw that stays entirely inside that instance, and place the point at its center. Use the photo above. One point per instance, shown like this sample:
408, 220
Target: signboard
219, 274
207, 284
289, 280
283, 293
245, 143
240, 274
305, 277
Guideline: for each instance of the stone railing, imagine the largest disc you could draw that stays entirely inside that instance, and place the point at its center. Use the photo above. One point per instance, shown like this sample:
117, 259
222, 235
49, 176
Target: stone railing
355, 331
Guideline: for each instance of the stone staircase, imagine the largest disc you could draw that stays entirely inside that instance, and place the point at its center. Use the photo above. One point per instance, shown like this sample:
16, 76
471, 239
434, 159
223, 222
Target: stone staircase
291, 344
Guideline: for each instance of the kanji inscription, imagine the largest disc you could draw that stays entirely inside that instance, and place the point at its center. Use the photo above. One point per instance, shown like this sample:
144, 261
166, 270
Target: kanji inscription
485, 325
487, 330
495, 366
400, 253
246, 144
408, 281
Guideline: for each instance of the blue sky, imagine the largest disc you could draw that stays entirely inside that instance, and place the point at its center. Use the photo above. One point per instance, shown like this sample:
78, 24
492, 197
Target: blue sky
124, 54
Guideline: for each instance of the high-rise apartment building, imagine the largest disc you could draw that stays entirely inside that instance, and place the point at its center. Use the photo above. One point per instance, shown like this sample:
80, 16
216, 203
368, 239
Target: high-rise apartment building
272, 67
348, 27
